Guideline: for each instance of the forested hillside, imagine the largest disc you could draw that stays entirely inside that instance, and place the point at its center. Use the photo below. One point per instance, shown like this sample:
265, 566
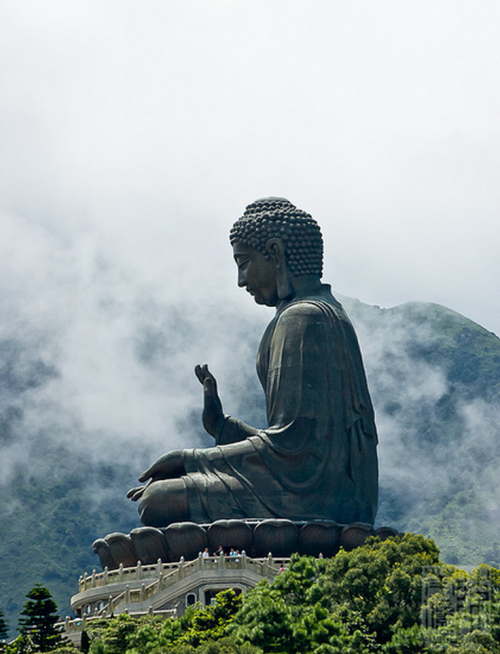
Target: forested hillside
434, 378
435, 382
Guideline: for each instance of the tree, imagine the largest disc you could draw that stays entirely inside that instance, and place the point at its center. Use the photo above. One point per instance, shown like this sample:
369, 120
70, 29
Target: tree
387, 597
382, 582
4, 629
38, 619
198, 631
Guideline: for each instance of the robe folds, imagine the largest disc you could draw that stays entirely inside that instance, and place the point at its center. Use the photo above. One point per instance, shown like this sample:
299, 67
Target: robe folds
317, 458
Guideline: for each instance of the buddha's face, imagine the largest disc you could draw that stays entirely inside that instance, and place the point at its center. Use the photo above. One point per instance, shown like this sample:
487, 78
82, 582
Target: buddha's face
257, 274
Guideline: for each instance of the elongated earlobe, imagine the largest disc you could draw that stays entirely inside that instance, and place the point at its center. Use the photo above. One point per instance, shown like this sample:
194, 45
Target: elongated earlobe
283, 285
276, 249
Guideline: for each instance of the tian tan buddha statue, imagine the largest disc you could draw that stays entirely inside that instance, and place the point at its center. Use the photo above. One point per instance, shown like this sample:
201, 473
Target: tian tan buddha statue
317, 458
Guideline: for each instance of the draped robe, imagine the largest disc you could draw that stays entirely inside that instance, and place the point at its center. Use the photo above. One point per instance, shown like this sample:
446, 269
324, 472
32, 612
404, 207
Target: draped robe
317, 458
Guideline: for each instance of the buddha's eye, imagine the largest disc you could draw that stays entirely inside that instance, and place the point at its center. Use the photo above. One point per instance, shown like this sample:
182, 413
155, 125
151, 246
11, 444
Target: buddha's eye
243, 264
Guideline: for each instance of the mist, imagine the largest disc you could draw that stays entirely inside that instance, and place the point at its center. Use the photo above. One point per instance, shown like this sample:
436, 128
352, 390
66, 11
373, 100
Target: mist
133, 135
437, 415
102, 359
144, 131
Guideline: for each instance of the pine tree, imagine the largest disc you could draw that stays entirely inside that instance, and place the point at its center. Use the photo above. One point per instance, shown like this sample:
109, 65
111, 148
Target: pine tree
4, 629
38, 619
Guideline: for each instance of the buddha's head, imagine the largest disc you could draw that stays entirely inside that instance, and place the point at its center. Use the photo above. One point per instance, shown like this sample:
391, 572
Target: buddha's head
275, 244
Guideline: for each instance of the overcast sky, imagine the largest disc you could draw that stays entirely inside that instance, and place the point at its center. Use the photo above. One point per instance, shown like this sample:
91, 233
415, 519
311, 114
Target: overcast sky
134, 133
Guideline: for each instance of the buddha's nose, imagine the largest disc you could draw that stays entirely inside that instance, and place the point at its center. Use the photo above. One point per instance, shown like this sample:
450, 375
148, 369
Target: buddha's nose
241, 279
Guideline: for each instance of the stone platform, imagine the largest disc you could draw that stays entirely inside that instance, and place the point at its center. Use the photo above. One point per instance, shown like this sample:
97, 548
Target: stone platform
164, 587
257, 538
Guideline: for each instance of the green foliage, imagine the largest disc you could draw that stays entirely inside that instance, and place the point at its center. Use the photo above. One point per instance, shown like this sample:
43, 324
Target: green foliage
48, 538
266, 620
371, 600
381, 581
226, 645
21, 645
407, 641
38, 619
286, 616
66, 648
391, 597
195, 628
213, 622
113, 636
298, 581
4, 629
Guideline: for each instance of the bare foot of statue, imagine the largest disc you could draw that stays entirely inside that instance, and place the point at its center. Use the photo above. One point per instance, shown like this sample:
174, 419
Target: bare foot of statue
168, 466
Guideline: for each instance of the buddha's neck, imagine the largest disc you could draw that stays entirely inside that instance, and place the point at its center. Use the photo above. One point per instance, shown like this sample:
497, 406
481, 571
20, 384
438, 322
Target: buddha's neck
306, 285
302, 286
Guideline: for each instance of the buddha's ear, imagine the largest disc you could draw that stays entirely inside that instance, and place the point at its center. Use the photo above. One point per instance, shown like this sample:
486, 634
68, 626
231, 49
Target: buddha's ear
276, 250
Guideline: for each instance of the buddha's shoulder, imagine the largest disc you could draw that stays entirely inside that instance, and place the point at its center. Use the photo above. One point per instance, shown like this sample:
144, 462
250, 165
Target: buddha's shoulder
313, 308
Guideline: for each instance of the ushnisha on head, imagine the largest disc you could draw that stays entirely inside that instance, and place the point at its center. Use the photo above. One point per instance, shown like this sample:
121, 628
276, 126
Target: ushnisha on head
270, 218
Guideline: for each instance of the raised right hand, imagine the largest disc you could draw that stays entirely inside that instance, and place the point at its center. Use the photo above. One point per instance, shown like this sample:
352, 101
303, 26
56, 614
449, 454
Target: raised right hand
212, 407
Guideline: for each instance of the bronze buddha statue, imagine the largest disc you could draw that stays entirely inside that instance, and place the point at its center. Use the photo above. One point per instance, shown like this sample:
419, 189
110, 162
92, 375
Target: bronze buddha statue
317, 458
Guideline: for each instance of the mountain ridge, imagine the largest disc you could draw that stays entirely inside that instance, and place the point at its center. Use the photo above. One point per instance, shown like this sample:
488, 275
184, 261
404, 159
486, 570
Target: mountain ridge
434, 377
